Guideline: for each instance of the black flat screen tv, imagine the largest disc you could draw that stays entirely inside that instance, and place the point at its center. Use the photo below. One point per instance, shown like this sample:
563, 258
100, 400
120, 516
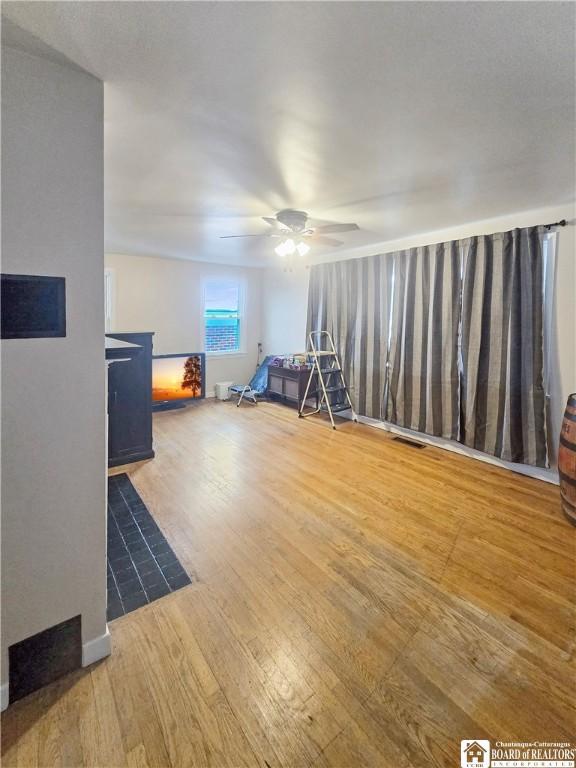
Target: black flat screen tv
178, 379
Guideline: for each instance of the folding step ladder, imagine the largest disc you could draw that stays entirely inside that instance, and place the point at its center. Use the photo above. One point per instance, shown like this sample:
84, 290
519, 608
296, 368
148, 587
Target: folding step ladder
330, 378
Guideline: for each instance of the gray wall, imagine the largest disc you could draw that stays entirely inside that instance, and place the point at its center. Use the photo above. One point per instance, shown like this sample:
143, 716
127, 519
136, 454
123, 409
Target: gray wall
53, 390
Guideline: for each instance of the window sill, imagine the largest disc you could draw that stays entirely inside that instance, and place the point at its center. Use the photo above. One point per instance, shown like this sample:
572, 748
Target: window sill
225, 354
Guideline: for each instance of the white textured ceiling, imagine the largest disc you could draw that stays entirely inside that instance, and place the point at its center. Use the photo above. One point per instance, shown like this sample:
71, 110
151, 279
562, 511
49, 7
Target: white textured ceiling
403, 117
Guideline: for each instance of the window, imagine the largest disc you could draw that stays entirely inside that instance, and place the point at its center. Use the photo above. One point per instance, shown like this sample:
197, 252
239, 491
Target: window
222, 317
108, 299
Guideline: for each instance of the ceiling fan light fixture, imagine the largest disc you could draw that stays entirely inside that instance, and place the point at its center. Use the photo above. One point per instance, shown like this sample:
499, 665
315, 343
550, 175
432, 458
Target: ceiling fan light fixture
289, 247
286, 247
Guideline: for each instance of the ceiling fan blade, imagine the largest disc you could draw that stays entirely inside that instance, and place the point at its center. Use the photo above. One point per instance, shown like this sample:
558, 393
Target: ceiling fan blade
321, 240
271, 220
267, 234
326, 228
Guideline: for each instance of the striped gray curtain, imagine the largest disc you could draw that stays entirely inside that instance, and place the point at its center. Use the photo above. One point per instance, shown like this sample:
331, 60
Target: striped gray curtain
350, 299
423, 381
503, 399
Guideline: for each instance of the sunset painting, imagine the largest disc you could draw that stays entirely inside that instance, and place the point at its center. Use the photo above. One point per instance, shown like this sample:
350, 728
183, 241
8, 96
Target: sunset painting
176, 378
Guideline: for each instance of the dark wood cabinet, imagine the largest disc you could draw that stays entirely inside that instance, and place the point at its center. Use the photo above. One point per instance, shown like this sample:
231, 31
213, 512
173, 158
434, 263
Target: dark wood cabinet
289, 384
130, 402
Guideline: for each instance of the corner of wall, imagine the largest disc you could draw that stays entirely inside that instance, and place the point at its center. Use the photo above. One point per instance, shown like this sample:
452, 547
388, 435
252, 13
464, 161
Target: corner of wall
97, 649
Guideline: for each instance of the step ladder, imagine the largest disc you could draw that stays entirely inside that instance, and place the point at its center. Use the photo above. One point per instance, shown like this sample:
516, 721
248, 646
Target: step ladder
330, 381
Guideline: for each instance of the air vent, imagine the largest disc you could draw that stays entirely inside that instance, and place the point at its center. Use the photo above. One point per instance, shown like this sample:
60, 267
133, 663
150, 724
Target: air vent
43, 658
411, 443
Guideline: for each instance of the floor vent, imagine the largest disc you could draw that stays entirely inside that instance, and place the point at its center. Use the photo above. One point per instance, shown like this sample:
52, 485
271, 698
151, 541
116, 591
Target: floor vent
43, 658
411, 443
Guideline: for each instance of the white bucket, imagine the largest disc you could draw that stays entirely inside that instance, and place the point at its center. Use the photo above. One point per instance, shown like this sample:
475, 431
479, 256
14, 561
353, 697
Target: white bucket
223, 390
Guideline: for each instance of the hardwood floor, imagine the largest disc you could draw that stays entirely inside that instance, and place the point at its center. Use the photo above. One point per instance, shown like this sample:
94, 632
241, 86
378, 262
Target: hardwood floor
355, 602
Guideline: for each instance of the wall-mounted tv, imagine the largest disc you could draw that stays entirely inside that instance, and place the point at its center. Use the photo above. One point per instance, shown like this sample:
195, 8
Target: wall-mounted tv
177, 379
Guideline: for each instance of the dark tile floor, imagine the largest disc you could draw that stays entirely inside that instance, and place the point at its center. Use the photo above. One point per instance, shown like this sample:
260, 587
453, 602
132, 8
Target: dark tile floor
141, 564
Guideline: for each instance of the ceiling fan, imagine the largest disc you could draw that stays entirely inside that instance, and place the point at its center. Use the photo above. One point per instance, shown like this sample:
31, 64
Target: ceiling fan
291, 225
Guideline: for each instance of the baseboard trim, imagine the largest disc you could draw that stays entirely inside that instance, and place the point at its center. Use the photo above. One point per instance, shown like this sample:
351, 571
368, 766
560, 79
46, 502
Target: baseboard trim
131, 459
3, 697
96, 649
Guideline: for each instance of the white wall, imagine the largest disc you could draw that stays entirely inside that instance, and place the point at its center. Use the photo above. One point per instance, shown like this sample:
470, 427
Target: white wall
284, 309
166, 296
285, 296
53, 390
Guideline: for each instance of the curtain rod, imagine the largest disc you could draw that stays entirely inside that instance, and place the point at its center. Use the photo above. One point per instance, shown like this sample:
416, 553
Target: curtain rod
561, 223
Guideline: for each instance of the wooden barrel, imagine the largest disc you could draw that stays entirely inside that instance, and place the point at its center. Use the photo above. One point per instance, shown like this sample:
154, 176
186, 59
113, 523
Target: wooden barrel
567, 460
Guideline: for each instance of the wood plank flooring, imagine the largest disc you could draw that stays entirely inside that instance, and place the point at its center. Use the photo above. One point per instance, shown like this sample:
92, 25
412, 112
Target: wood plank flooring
355, 602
